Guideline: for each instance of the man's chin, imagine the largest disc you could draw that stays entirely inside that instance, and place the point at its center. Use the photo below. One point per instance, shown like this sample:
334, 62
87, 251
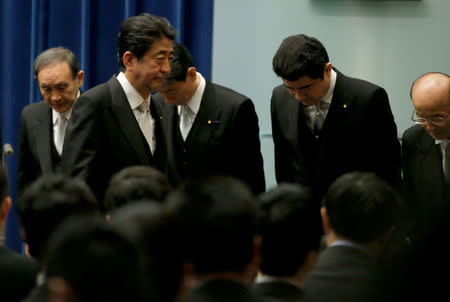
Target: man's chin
438, 136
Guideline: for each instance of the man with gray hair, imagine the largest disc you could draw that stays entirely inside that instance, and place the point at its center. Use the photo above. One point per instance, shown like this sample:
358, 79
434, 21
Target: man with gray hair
43, 124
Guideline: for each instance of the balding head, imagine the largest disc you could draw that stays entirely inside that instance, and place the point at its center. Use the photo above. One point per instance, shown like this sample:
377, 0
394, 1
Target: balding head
430, 95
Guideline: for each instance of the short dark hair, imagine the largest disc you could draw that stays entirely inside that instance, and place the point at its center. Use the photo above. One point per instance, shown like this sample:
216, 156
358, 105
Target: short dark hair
361, 206
299, 56
218, 218
158, 240
181, 62
56, 55
47, 202
290, 228
97, 261
135, 183
4, 191
138, 33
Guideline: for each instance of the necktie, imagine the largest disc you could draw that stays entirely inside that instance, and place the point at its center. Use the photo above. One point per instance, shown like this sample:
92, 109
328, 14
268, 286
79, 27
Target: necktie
60, 131
146, 124
319, 118
446, 161
186, 120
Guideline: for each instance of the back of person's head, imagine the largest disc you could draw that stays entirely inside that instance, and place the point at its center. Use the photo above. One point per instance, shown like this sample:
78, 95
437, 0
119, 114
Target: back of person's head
87, 260
135, 183
47, 202
290, 228
218, 218
159, 242
299, 56
181, 62
56, 55
361, 206
138, 33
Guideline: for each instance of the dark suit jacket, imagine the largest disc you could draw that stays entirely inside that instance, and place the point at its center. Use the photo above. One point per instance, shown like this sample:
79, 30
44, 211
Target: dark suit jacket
103, 136
423, 173
17, 275
224, 139
342, 273
35, 143
359, 133
276, 291
219, 290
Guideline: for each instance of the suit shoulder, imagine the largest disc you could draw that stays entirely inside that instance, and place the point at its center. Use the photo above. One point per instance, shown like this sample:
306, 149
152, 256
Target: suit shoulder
35, 107
360, 87
413, 134
232, 96
96, 91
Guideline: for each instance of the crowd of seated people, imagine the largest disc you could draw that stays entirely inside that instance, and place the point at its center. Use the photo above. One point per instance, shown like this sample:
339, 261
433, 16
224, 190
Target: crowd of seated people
213, 239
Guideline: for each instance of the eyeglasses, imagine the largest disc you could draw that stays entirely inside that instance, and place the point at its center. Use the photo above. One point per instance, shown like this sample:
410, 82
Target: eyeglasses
435, 120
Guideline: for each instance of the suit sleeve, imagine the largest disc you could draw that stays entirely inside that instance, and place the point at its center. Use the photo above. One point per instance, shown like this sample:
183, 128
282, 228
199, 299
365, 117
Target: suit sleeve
25, 158
82, 139
248, 147
386, 153
282, 166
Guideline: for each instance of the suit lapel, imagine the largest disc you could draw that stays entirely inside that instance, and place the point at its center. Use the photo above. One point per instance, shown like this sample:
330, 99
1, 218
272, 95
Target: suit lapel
121, 109
42, 133
430, 162
207, 119
341, 103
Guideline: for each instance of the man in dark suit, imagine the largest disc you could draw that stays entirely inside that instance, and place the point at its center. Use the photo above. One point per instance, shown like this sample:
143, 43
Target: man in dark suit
43, 124
324, 123
210, 129
17, 272
286, 212
358, 213
426, 151
115, 124
217, 216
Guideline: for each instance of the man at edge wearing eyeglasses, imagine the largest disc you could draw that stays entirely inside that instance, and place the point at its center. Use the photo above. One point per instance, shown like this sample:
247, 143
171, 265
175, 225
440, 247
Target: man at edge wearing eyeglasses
426, 148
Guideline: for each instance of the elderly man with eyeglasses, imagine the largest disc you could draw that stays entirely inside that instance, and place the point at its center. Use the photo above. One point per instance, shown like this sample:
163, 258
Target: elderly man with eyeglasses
426, 148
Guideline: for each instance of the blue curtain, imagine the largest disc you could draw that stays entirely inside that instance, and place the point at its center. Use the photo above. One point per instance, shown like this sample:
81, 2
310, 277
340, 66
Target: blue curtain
89, 28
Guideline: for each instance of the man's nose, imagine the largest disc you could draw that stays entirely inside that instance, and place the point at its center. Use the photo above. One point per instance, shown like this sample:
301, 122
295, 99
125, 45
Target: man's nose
165, 67
55, 96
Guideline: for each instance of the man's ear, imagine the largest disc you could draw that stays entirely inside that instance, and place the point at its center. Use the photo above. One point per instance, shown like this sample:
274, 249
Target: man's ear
80, 78
192, 73
5, 207
325, 220
128, 60
327, 69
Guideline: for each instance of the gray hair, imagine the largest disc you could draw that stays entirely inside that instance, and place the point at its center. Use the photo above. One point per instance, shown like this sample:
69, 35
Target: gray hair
56, 55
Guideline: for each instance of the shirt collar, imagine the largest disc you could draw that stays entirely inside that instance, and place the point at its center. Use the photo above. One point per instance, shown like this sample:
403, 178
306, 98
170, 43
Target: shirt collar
134, 98
196, 99
329, 95
66, 114
440, 141
349, 244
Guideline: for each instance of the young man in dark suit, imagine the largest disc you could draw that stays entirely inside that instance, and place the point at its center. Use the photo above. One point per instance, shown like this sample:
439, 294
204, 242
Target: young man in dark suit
358, 214
324, 123
115, 124
426, 151
290, 243
17, 272
43, 124
209, 128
